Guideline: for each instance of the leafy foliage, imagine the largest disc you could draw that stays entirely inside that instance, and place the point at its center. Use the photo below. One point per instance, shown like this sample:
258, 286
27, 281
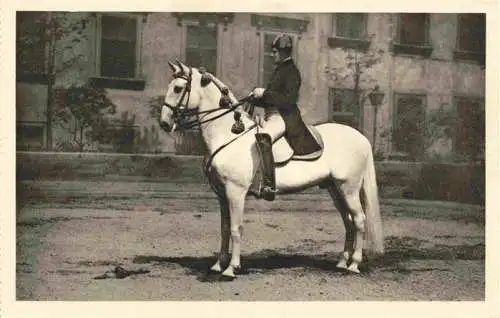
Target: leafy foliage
47, 44
50, 36
154, 104
353, 74
83, 110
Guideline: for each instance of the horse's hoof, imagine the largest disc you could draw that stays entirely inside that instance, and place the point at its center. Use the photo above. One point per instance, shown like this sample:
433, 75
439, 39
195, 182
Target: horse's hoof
353, 269
342, 264
226, 278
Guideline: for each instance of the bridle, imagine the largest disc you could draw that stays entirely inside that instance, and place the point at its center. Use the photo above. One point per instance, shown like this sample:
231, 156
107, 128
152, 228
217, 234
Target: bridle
180, 112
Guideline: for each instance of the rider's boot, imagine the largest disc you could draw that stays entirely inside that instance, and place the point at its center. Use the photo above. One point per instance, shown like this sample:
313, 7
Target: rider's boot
264, 144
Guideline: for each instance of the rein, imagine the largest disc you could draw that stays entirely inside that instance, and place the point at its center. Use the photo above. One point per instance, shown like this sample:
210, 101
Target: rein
180, 111
195, 112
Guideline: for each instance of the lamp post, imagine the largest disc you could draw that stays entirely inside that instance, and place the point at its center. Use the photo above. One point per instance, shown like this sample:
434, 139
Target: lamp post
376, 98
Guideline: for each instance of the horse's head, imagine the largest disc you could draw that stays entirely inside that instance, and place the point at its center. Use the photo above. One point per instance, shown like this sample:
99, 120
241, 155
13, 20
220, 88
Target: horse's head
183, 96
190, 94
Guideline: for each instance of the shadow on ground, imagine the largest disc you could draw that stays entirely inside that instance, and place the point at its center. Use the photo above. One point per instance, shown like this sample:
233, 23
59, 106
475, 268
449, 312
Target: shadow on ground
399, 250
404, 249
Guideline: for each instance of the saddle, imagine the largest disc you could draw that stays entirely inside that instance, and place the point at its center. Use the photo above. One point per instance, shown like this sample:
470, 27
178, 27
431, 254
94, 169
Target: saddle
283, 153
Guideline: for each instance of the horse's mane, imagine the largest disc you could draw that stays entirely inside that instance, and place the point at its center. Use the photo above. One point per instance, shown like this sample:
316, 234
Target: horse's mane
220, 84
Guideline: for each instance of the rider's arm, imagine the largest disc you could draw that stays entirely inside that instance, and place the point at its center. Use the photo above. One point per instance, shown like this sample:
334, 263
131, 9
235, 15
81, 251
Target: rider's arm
284, 92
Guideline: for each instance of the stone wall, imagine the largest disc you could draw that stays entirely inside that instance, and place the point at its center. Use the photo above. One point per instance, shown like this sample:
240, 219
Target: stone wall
400, 180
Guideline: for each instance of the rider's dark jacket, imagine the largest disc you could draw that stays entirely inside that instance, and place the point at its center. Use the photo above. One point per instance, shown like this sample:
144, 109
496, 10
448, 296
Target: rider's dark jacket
282, 92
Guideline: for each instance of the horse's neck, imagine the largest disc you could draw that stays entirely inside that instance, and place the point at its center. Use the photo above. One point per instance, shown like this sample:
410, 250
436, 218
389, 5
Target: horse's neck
218, 131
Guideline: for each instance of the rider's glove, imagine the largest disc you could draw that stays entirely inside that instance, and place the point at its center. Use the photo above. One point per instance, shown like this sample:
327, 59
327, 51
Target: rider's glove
258, 92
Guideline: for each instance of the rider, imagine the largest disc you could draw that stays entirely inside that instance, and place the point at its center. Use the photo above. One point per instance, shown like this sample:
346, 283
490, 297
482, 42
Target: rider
282, 115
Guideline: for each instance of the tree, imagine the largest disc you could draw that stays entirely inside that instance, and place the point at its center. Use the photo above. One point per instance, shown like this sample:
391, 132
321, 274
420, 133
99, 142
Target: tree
155, 104
53, 35
83, 110
353, 72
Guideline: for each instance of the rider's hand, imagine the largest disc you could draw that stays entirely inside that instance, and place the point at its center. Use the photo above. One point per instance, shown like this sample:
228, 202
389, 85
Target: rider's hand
259, 120
258, 92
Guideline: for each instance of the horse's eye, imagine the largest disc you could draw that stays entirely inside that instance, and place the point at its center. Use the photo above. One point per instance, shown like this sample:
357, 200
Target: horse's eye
177, 89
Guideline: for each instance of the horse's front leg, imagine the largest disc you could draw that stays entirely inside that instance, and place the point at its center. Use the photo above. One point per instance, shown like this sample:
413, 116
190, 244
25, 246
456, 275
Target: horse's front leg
236, 198
225, 217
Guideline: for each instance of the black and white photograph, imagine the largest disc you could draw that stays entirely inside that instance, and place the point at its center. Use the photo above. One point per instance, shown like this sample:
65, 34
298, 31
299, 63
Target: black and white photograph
251, 156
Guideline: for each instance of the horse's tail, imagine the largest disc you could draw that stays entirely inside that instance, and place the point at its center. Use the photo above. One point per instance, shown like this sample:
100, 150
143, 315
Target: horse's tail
374, 233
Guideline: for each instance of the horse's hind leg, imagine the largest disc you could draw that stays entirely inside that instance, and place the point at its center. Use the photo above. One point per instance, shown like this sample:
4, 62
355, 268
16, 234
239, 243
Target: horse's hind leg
350, 230
223, 259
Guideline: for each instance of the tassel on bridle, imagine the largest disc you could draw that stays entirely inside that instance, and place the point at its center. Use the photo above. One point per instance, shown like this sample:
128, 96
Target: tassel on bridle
238, 126
206, 78
224, 101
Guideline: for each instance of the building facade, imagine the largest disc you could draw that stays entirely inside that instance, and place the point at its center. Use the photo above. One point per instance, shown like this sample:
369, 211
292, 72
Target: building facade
421, 62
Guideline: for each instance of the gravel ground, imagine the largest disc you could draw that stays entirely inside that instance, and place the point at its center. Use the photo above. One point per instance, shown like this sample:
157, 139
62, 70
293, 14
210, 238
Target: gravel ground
71, 232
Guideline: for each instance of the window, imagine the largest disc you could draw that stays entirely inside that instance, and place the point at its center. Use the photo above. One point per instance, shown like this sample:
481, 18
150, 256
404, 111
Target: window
267, 60
350, 25
30, 43
349, 31
471, 32
200, 37
201, 48
344, 107
30, 136
118, 46
469, 140
413, 28
413, 34
268, 27
409, 116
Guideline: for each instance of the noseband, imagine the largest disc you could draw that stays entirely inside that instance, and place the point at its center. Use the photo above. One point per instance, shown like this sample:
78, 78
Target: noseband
180, 112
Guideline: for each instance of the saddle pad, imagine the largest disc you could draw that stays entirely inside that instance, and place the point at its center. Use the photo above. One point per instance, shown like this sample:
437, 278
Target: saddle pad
283, 153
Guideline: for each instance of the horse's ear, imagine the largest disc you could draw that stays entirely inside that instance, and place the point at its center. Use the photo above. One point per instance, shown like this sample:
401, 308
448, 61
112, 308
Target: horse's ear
176, 69
178, 64
183, 67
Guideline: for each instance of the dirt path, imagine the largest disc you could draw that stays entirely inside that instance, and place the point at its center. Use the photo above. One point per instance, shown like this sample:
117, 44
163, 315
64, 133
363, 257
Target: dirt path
434, 252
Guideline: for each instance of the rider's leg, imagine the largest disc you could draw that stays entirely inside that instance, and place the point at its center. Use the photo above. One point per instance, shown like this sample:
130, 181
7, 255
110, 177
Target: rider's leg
273, 128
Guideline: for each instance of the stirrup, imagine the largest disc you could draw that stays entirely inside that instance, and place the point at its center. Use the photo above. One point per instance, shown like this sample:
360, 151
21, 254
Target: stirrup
268, 193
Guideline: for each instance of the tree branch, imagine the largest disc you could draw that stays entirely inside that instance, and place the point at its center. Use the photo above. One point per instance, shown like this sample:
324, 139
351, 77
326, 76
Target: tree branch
67, 64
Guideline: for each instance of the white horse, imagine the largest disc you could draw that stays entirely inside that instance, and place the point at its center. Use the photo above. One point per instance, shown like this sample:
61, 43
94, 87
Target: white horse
346, 167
